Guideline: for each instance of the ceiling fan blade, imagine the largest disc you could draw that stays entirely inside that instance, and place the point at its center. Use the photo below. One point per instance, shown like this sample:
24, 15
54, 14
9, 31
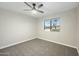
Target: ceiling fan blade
40, 11
27, 9
40, 5
28, 4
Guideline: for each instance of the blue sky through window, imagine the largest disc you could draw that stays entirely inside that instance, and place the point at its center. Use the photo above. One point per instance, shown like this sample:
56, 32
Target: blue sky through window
47, 23
56, 21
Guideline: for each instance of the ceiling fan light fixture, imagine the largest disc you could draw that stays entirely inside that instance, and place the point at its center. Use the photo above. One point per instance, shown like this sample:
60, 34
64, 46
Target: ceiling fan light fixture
34, 11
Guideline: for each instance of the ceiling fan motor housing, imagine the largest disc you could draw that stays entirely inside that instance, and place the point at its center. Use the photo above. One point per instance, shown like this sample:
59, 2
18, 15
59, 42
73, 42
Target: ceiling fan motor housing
34, 4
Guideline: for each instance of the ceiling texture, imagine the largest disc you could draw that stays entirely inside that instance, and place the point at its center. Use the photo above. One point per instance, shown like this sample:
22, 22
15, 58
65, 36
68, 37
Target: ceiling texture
48, 8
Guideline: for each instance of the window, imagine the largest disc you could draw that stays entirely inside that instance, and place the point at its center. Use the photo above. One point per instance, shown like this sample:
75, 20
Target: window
52, 24
47, 25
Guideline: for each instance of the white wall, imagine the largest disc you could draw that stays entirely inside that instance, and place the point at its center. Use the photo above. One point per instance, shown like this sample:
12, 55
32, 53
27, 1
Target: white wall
78, 29
15, 28
67, 35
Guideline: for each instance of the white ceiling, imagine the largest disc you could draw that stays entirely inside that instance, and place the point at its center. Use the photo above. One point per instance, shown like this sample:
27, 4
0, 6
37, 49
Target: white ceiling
48, 8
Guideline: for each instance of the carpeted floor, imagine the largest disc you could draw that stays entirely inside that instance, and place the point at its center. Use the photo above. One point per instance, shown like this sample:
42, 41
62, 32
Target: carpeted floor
38, 47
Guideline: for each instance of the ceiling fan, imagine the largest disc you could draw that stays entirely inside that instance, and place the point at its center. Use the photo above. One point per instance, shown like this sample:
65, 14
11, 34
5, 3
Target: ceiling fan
34, 8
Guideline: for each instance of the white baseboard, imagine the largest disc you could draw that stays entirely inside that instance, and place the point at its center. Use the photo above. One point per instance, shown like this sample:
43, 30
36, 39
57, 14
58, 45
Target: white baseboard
78, 50
59, 43
15, 43
29, 38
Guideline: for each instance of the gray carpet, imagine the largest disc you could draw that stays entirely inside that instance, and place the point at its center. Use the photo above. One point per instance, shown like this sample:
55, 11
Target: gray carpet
38, 47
